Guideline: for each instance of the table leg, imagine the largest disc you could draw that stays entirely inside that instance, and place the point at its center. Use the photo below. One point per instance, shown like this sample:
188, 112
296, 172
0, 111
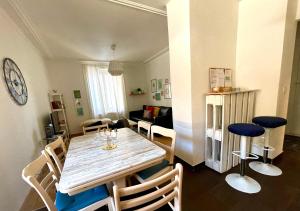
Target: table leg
121, 183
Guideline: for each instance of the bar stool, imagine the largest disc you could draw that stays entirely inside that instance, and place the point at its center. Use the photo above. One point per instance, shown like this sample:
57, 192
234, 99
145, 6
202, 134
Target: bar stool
240, 181
268, 122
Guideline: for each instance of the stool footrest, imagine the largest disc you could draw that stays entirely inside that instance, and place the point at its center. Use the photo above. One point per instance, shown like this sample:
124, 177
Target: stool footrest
270, 148
250, 156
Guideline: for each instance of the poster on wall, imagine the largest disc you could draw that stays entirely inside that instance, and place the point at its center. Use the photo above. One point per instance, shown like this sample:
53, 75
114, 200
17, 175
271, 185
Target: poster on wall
167, 91
159, 84
78, 104
153, 85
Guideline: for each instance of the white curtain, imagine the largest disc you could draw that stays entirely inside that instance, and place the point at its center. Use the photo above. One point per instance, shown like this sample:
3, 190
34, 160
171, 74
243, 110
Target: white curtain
106, 92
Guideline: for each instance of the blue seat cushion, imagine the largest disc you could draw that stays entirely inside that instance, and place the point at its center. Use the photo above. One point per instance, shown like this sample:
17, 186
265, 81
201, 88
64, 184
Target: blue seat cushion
269, 121
246, 129
144, 174
64, 202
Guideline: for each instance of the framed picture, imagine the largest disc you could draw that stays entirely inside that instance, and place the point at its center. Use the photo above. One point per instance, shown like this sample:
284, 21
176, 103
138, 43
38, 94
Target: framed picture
220, 78
167, 91
157, 96
153, 85
160, 84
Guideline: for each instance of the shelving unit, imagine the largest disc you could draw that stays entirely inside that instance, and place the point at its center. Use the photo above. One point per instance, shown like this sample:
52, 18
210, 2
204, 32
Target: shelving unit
223, 109
63, 122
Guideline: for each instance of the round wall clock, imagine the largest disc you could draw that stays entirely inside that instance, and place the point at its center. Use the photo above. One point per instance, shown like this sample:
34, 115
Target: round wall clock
15, 81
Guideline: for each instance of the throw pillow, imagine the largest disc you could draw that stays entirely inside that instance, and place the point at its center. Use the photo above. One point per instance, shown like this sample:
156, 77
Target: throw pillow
156, 111
147, 114
150, 108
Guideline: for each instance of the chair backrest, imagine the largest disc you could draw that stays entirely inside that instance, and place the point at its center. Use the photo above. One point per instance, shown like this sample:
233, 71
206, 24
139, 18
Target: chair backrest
170, 188
43, 182
58, 157
167, 133
94, 129
146, 126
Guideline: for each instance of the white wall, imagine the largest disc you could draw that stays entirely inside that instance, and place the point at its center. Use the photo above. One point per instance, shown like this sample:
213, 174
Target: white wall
213, 44
68, 75
202, 34
21, 126
264, 56
158, 68
180, 71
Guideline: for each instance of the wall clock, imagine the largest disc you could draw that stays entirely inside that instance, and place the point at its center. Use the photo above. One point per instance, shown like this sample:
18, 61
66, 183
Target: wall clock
15, 81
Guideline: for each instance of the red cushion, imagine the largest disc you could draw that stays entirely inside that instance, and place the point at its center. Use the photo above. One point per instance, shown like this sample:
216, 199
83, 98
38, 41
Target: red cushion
151, 109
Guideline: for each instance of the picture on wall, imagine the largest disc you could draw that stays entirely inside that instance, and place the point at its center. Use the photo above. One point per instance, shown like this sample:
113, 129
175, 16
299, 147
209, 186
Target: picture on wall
160, 84
157, 96
153, 85
167, 92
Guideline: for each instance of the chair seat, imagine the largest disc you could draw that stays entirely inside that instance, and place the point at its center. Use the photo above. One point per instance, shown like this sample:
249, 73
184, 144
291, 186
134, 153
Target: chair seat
64, 202
269, 121
144, 174
246, 129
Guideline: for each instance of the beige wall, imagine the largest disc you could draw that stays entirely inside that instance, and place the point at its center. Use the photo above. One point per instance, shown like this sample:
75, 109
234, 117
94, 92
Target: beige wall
68, 75
135, 77
21, 126
293, 127
265, 44
158, 68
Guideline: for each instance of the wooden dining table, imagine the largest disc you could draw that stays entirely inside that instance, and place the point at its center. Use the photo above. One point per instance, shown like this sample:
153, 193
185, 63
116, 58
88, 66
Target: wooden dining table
88, 165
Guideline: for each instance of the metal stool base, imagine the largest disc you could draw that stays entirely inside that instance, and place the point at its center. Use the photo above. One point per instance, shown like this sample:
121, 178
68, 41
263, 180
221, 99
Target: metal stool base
265, 168
243, 183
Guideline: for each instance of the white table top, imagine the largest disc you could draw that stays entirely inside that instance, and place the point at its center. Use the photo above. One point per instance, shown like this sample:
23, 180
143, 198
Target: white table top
87, 165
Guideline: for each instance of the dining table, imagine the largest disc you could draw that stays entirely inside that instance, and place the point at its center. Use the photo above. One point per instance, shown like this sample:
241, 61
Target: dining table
88, 164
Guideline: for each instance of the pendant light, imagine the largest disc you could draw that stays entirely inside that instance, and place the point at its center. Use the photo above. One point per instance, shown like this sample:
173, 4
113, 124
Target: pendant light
115, 68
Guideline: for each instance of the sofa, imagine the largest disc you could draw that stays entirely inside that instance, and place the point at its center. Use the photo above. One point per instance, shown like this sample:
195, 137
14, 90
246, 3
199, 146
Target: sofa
163, 119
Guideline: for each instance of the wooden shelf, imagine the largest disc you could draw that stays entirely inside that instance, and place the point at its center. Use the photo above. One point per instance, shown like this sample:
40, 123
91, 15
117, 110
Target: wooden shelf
136, 94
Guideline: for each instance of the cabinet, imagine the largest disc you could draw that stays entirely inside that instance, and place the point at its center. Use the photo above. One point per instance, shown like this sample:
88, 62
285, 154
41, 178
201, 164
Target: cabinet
222, 110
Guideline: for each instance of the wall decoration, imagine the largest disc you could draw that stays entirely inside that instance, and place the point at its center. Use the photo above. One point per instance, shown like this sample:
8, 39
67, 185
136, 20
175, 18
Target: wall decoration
15, 82
77, 94
153, 85
157, 96
78, 103
220, 79
160, 84
167, 91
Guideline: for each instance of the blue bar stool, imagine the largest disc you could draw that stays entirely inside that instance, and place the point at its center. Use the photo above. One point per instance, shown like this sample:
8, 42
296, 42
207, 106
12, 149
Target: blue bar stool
268, 122
240, 181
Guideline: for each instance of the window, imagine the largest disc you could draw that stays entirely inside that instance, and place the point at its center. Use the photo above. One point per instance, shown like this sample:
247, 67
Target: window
106, 92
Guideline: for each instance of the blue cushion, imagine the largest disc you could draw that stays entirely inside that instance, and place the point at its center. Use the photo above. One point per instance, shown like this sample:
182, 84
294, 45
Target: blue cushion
64, 202
269, 121
246, 129
152, 170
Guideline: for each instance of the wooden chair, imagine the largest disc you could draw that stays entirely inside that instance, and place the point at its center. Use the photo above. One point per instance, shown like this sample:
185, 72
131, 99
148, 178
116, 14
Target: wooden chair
59, 158
170, 189
44, 184
167, 164
93, 129
146, 126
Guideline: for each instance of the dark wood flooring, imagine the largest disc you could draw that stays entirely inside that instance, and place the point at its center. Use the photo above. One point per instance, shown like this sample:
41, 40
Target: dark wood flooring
205, 189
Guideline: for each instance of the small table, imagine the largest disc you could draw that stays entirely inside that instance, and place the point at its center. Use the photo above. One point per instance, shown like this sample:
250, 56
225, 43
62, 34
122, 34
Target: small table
87, 165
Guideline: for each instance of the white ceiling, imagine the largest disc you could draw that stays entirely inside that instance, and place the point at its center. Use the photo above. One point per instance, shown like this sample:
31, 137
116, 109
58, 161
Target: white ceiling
85, 29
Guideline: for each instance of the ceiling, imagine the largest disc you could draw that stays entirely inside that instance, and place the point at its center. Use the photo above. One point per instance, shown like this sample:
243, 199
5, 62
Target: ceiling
85, 29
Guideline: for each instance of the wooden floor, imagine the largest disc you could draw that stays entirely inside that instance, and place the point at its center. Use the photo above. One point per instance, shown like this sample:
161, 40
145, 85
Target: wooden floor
205, 189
